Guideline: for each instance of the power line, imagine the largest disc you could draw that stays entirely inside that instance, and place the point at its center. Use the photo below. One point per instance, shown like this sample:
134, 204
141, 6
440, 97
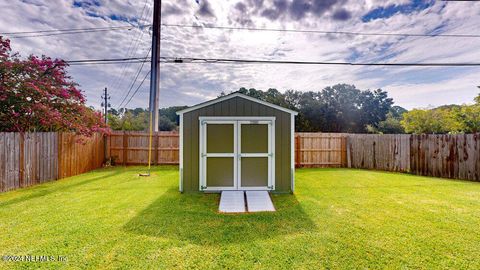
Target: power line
135, 80
68, 30
67, 33
321, 31
260, 61
194, 60
100, 61
132, 49
41, 33
138, 88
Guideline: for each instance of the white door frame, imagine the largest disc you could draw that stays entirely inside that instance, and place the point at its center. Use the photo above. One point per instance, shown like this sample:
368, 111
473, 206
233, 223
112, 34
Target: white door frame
270, 155
204, 155
237, 122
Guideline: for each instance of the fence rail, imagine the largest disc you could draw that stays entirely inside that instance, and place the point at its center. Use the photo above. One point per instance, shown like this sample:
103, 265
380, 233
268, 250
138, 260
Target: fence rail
131, 148
320, 150
33, 158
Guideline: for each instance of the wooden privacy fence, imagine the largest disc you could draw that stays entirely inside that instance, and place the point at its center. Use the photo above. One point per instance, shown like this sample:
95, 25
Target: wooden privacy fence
448, 156
131, 148
379, 152
320, 150
32, 158
27, 159
312, 149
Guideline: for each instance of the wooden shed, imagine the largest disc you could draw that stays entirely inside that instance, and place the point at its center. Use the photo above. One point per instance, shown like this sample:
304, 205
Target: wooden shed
237, 142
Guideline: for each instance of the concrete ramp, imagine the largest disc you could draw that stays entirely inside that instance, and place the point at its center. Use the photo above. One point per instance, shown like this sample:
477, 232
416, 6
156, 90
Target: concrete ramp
259, 201
232, 202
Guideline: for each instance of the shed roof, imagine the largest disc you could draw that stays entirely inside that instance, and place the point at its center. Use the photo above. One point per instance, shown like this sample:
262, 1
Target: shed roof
227, 97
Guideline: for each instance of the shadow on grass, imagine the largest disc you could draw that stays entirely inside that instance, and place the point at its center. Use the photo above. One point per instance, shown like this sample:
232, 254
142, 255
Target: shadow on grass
194, 218
40, 191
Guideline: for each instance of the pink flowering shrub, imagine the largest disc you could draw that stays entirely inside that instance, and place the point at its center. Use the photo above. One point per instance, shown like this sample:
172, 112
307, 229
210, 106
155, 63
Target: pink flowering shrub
36, 94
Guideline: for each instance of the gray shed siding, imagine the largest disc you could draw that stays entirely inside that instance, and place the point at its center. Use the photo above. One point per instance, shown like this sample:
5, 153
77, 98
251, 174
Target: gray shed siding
237, 106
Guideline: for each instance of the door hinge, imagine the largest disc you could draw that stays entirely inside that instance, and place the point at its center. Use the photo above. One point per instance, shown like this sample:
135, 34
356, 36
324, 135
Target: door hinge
203, 187
270, 187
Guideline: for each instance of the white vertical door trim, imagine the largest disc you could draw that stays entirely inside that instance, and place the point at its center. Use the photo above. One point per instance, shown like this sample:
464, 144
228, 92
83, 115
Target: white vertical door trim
235, 157
272, 158
270, 155
292, 152
180, 180
203, 155
200, 155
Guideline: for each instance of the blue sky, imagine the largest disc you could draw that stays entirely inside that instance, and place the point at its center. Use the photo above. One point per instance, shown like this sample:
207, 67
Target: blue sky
188, 84
385, 12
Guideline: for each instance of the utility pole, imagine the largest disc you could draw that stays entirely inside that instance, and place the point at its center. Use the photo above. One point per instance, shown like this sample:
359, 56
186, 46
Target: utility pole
155, 68
106, 104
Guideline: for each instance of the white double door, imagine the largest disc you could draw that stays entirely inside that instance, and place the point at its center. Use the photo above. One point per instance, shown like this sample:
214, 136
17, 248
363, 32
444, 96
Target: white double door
237, 154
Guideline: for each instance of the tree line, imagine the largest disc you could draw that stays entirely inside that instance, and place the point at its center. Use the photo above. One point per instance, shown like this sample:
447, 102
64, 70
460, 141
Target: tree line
338, 108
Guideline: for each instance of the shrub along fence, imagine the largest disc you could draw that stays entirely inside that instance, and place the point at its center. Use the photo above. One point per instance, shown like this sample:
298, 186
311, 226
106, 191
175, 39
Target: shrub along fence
28, 159
33, 158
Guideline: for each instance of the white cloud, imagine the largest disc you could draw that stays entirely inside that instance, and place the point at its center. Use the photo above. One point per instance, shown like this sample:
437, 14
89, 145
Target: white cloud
191, 83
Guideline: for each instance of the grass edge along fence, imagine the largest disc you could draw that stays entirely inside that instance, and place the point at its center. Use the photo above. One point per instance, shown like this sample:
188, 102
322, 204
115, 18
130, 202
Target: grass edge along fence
28, 159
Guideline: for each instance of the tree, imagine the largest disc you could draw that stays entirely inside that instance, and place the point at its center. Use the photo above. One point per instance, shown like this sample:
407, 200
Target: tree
469, 118
438, 121
171, 112
477, 98
165, 124
36, 94
138, 119
339, 108
131, 120
392, 124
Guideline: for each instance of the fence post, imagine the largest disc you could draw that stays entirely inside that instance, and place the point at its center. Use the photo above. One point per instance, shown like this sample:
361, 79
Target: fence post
22, 160
59, 154
105, 148
297, 151
344, 151
125, 146
156, 143
348, 143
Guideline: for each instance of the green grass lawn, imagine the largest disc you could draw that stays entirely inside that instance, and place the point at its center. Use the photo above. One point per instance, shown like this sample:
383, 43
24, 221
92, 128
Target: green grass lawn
338, 218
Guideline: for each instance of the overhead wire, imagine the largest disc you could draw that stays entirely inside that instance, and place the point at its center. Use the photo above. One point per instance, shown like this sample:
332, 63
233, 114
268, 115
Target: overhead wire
138, 88
132, 48
39, 33
198, 60
139, 71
